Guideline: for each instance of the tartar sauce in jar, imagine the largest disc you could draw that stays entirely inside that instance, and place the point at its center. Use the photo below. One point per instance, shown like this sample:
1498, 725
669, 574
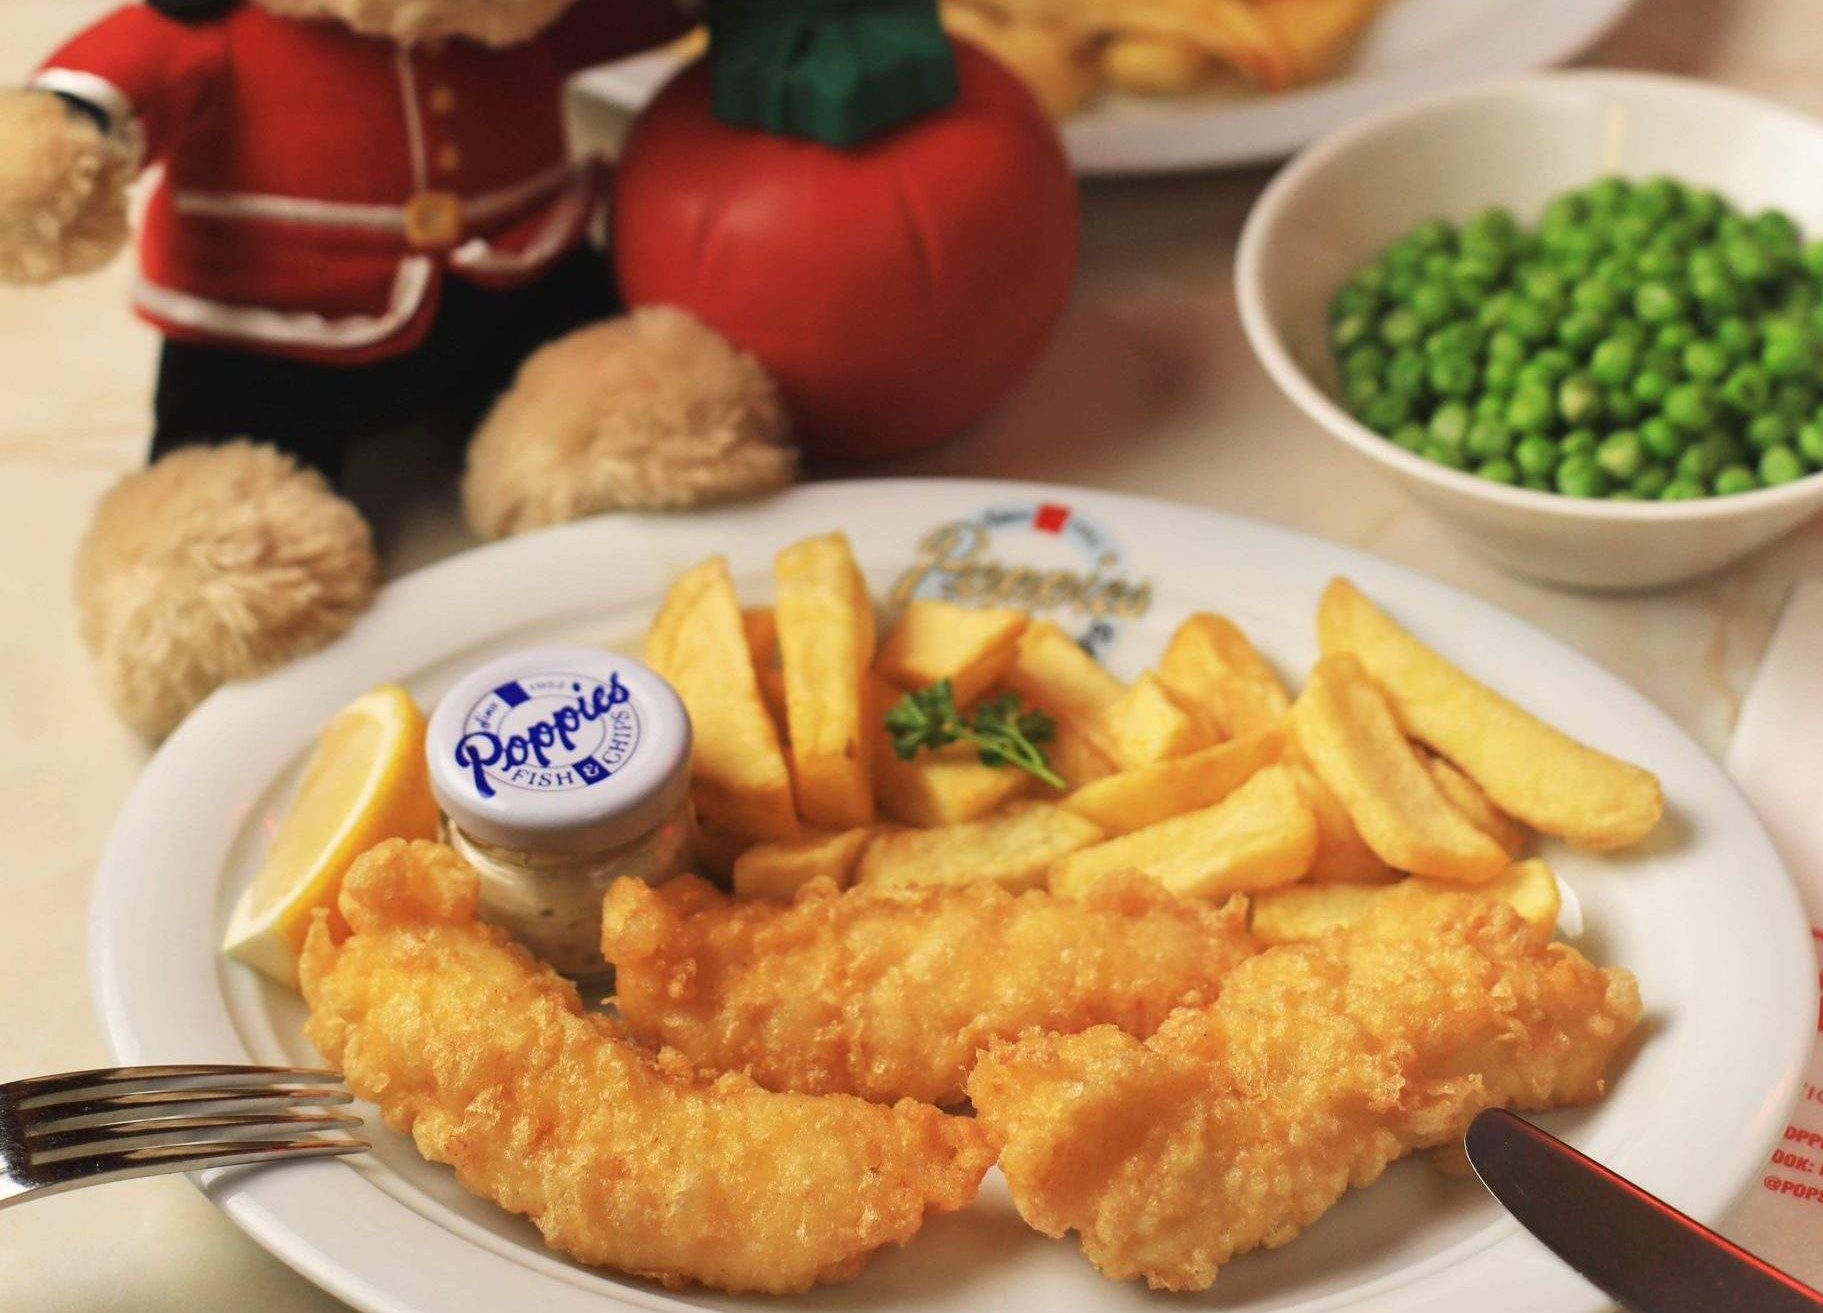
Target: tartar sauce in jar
558, 772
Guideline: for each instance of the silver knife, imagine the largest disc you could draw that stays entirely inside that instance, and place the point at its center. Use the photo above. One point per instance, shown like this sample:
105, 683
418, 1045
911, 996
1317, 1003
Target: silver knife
1638, 1249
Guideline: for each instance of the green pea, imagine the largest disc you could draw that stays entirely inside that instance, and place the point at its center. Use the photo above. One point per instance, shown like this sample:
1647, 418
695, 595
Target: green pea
1536, 454
1400, 327
1580, 476
1701, 461
1385, 412
1657, 302
1789, 351
1621, 454
1406, 372
1657, 264
1747, 261
1703, 206
1529, 322
1453, 376
1661, 437
1672, 338
1651, 481
1747, 389
1705, 360
1409, 435
1453, 457
1499, 376
1734, 480
1490, 439
1431, 303
1450, 425
1579, 400
1596, 296
1364, 359
1681, 489
1578, 442
1433, 235
1810, 443
1459, 338
1537, 482
1498, 471
1780, 465
1765, 432
1505, 345
1737, 337
1687, 406
1531, 409
1613, 361
1795, 400
1813, 258
1650, 386
1580, 330
1608, 194
1489, 406
1621, 406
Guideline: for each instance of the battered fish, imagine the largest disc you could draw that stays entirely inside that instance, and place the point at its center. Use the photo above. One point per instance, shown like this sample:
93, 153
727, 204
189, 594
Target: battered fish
892, 992
1238, 1125
622, 1159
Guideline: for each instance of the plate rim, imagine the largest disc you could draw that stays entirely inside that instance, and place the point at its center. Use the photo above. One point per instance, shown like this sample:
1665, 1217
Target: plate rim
243, 1197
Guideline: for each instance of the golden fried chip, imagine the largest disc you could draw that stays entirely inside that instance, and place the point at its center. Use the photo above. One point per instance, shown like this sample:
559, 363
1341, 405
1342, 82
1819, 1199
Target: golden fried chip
945, 787
1315, 35
826, 643
698, 643
1230, 30
1053, 62
1135, 799
1345, 727
1467, 797
778, 870
1013, 849
1342, 856
1533, 772
1308, 911
938, 640
1074, 758
761, 625
1260, 836
1210, 664
1153, 65
1051, 671
1146, 724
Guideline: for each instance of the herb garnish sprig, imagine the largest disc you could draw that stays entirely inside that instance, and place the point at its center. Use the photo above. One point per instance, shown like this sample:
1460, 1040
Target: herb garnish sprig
1003, 732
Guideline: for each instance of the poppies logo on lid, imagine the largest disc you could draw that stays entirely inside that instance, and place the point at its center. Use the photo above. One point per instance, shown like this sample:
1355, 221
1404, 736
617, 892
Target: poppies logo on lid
548, 733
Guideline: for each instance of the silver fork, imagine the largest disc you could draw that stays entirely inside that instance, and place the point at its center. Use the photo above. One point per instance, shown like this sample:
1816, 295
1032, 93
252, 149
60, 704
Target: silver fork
89, 1127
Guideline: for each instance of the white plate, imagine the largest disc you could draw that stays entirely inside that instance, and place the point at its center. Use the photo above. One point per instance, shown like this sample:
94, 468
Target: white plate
1414, 48
1706, 916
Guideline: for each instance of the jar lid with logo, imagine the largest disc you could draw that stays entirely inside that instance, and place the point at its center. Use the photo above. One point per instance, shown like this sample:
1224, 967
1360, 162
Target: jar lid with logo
560, 750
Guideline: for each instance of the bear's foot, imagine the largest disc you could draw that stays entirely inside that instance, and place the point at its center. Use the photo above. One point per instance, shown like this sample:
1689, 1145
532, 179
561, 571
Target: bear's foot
648, 412
215, 564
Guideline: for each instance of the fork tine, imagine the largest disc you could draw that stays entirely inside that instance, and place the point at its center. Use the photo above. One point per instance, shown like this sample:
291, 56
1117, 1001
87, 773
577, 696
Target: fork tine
179, 1103
40, 1091
48, 1147
71, 1173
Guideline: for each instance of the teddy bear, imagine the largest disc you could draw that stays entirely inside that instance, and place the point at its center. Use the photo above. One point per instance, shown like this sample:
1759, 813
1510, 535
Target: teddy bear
365, 216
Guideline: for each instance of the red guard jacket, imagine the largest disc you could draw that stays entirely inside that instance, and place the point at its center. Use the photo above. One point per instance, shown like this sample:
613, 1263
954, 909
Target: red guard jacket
318, 185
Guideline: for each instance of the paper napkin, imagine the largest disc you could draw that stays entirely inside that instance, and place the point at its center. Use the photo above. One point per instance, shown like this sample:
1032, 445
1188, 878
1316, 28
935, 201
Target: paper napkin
1777, 758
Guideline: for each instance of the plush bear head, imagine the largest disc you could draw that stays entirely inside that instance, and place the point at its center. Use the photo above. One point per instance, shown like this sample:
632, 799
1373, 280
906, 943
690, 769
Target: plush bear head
491, 22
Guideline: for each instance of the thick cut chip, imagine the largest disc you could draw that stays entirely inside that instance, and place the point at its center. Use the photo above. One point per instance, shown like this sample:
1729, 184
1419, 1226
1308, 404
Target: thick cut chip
1315, 35
946, 787
1154, 66
1013, 849
1074, 758
1146, 725
778, 870
1343, 856
1531, 771
698, 643
1344, 725
1467, 797
1260, 836
1052, 672
1210, 664
1134, 799
939, 640
826, 642
1231, 30
1308, 911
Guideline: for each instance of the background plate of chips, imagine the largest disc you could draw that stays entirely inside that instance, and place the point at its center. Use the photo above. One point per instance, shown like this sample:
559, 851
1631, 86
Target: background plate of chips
1163, 86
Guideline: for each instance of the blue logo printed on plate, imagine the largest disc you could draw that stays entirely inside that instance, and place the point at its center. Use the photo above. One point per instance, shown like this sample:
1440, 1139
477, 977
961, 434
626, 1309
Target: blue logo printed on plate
548, 734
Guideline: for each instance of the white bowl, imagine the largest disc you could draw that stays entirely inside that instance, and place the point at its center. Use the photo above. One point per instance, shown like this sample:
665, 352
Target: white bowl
1518, 143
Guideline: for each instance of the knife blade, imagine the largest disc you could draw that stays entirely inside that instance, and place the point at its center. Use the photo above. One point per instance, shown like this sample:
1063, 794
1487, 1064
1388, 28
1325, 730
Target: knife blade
1636, 1248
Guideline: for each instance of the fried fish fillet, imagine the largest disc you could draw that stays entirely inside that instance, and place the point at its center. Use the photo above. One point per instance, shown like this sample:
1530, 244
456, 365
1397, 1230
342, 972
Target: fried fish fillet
892, 992
1237, 1125
622, 1159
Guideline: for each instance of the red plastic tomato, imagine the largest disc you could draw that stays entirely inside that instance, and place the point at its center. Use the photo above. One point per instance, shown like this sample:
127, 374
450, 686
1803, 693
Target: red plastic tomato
896, 291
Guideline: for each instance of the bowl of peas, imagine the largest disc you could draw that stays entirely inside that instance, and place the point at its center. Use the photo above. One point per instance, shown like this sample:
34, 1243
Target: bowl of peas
1578, 315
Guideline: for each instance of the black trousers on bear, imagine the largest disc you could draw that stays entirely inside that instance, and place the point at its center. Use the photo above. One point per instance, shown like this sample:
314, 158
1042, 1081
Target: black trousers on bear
211, 394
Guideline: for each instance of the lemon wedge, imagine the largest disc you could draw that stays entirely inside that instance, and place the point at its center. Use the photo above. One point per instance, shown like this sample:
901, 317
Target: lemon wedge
365, 782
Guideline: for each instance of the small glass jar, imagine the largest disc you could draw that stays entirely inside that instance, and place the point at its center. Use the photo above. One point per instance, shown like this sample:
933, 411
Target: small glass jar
558, 772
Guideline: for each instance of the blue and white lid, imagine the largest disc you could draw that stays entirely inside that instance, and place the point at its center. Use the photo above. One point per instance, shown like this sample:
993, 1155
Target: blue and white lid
564, 750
